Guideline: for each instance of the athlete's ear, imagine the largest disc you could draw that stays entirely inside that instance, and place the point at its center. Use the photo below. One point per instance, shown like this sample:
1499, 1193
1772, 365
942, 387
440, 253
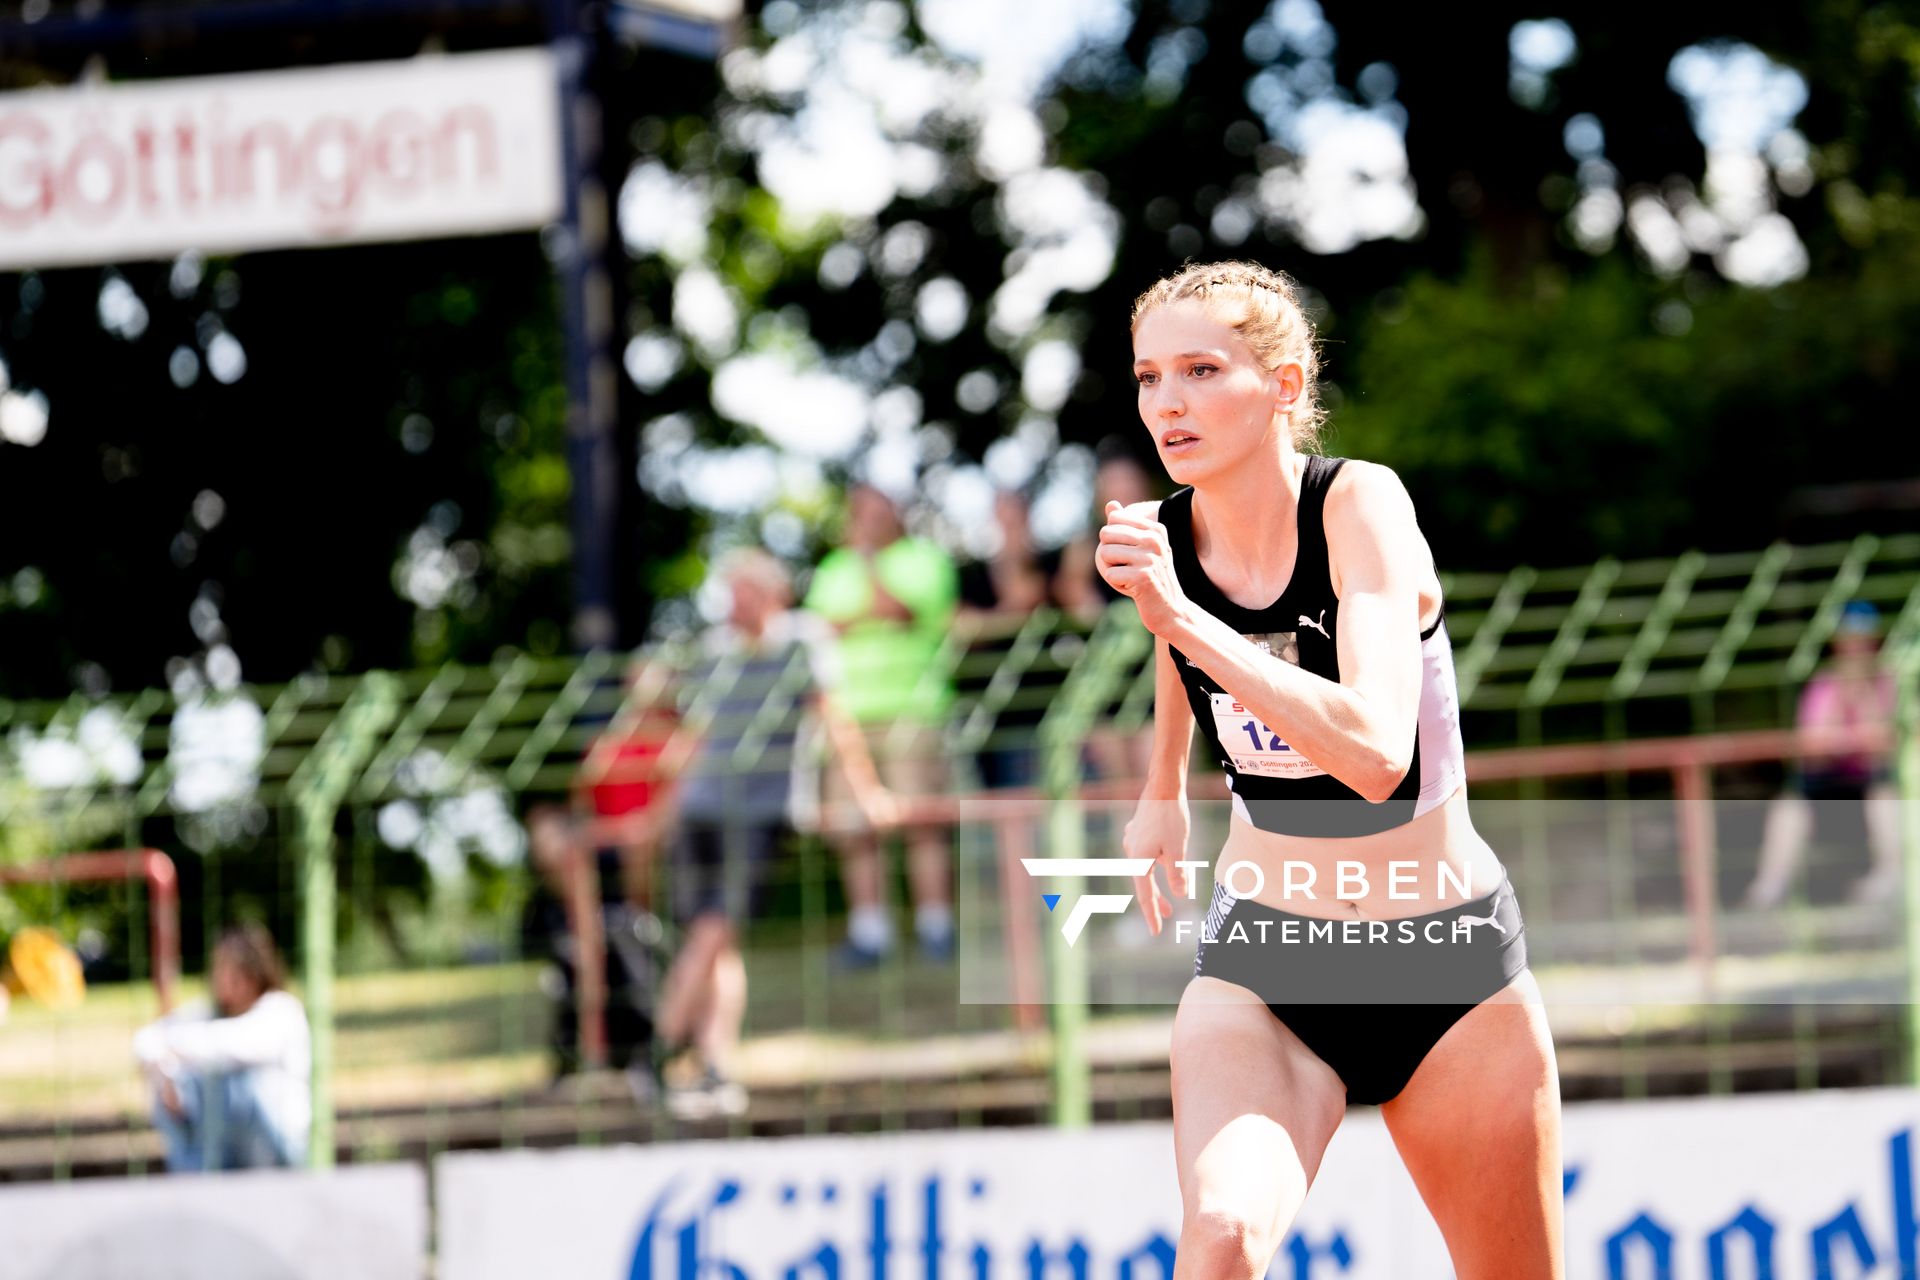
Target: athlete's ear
1288, 379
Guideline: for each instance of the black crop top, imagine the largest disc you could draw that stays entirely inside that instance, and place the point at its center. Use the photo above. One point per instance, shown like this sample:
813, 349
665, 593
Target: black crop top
1275, 787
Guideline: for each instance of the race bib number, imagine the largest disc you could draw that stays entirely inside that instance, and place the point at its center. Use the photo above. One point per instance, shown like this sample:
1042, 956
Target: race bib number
1255, 749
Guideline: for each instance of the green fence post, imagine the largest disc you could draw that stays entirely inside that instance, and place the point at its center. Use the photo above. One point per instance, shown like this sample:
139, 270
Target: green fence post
1114, 649
317, 891
1066, 966
1907, 745
317, 788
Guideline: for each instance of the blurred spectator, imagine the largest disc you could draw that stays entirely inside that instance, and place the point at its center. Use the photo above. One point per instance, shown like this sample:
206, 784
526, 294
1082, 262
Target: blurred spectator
995, 595
627, 783
734, 814
1119, 477
891, 598
595, 854
1015, 579
1850, 691
1083, 592
231, 1079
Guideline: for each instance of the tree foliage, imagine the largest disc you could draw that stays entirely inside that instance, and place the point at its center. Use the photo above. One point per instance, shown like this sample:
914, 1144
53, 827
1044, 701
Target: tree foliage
1554, 381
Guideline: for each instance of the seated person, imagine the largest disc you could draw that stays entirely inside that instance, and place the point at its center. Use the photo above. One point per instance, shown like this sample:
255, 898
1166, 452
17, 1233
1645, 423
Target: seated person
626, 780
599, 849
232, 1081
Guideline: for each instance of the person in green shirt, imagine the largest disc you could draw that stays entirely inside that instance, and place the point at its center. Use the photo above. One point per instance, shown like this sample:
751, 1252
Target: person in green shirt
890, 597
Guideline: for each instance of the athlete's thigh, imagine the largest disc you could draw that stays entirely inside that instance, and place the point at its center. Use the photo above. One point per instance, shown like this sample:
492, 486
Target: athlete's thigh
1253, 1108
1478, 1126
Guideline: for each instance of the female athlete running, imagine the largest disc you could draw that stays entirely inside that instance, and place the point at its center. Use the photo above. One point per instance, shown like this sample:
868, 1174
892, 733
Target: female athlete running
1299, 619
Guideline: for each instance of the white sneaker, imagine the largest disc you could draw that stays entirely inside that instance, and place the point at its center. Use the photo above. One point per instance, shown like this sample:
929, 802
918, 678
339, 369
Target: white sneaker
729, 1097
1876, 886
709, 1096
689, 1102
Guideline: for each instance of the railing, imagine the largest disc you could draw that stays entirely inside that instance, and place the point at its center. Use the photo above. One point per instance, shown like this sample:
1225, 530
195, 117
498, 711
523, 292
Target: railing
112, 866
337, 753
1690, 761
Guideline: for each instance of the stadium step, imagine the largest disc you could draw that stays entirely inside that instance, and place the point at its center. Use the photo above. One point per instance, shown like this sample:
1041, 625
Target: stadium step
989, 1080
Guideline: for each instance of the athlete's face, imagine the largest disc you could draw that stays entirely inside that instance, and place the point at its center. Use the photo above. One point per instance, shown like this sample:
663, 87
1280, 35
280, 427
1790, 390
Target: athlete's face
1207, 401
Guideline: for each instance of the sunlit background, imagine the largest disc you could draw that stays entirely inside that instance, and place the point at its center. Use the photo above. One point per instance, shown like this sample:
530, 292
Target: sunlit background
311, 557
1580, 263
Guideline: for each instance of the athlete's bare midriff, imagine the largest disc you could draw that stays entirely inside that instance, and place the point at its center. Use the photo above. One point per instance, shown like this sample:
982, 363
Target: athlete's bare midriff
1444, 835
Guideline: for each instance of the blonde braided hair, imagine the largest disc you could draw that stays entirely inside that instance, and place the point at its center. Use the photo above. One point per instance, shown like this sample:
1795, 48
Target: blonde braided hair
1265, 313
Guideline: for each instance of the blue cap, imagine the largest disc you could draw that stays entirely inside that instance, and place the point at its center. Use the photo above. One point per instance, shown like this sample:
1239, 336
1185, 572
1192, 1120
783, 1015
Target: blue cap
1859, 618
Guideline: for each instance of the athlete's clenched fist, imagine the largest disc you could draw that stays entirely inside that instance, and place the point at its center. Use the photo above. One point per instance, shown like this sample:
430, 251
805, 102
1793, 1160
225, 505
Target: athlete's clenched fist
1136, 561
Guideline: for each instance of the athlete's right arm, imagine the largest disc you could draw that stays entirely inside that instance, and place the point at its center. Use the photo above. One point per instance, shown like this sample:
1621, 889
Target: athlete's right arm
1160, 822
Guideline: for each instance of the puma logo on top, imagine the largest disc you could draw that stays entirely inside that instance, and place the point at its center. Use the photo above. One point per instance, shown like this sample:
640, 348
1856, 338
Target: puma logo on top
1305, 621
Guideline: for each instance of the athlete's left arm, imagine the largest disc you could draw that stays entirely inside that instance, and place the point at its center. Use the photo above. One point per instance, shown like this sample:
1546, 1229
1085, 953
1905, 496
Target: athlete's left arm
1361, 728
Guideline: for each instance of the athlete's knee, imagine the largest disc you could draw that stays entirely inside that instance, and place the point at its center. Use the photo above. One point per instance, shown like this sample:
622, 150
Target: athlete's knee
1223, 1243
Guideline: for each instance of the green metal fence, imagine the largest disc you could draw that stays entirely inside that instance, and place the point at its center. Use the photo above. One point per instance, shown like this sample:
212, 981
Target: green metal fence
304, 828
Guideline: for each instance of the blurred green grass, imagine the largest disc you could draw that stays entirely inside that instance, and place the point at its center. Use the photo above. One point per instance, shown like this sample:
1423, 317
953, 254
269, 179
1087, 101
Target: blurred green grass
402, 1038
439, 1036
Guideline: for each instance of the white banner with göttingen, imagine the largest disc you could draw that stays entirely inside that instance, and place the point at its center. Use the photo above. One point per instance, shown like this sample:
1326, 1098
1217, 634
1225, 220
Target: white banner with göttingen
410, 149
1788, 1186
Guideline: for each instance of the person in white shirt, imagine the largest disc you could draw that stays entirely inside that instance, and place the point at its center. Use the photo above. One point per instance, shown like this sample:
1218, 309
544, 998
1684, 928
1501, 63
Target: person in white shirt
232, 1080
